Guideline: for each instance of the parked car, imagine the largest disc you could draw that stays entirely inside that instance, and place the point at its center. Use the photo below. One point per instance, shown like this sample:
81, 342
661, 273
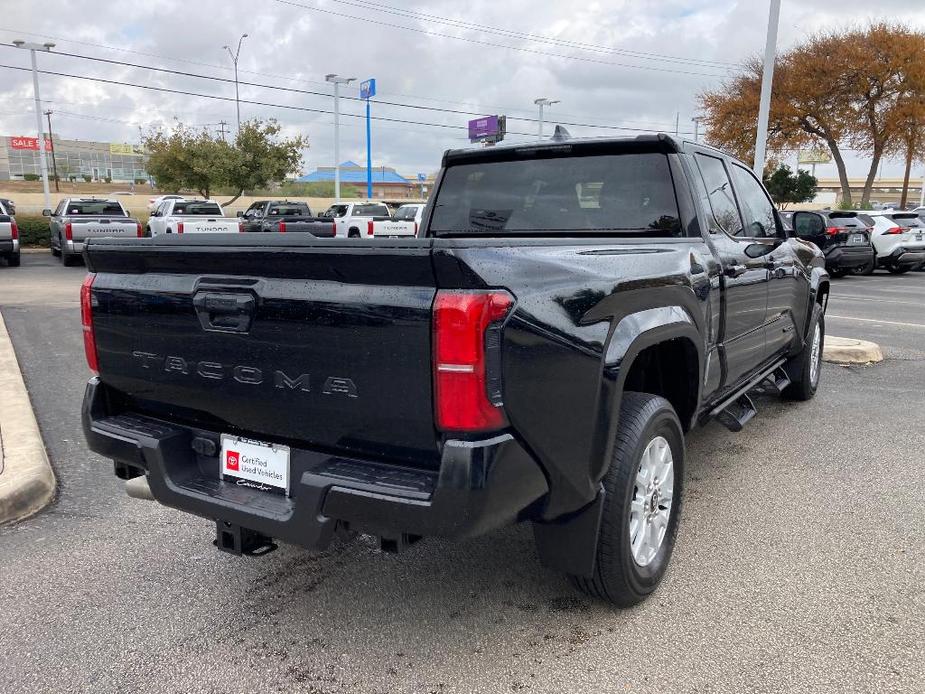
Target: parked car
286, 217
352, 218
899, 240
842, 236
9, 206
181, 216
154, 203
9, 237
75, 220
574, 308
405, 221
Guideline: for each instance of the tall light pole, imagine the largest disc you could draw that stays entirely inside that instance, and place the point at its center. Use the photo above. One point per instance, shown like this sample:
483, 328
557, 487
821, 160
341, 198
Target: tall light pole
543, 103
696, 120
51, 141
337, 81
32, 48
767, 77
234, 59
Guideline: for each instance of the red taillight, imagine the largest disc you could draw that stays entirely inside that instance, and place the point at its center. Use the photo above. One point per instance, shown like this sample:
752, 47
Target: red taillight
68, 232
370, 228
14, 230
894, 230
467, 359
86, 319
333, 228
240, 227
282, 227
179, 227
139, 230
415, 228
831, 231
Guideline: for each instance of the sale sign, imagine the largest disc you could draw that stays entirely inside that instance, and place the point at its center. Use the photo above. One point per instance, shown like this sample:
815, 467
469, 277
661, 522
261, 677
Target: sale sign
29, 143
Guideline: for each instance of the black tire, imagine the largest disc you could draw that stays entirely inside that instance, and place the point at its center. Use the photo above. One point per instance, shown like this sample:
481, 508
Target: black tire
14, 260
898, 269
67, 259
618, 578
803, 380
837, 272
353, 234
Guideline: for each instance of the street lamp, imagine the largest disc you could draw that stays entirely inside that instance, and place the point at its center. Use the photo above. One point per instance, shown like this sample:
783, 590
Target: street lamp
541, 103
336, 80
696, 120
234, 59
767, 77
32, 48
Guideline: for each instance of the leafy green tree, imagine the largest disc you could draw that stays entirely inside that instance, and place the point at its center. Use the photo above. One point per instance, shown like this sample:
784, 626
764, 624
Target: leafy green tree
786, 187
260, 157
187, 158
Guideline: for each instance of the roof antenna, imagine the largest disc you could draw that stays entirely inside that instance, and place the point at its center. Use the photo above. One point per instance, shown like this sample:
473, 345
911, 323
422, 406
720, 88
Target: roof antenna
561, 134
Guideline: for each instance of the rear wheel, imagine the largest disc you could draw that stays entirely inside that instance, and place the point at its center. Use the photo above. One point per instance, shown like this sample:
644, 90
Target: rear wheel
68, 259
13, 260
899, 269
641, 504
837, 272
804, 369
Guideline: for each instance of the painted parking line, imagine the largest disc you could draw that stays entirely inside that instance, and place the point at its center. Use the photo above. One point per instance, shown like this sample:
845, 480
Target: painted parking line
876, 320
852, 297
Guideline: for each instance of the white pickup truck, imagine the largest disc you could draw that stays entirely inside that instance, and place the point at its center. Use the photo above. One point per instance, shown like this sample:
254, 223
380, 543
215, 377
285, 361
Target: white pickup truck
405, 222
77, 219
9, 238
351, 219
190, 217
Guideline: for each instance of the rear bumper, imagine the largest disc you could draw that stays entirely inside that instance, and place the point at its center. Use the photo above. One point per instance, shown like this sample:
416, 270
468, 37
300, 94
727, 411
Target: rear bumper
904, 257
9, 246
480, 485
847, 257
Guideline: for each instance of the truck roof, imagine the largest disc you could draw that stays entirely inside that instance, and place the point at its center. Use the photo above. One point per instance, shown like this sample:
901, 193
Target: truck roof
661, 142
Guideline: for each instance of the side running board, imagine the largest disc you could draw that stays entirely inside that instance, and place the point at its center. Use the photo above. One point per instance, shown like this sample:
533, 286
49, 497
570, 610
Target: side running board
735, 411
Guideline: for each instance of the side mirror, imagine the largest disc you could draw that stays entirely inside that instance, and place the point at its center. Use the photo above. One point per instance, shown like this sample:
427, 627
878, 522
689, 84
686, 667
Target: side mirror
46, 212
807, 224
240, 213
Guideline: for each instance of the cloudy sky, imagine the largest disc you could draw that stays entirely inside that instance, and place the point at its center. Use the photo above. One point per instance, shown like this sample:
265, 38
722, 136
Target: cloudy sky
634, 65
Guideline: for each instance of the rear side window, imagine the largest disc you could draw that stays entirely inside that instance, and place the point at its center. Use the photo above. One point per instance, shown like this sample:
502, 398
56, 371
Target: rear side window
192, 209
719, 193
405, 214
96, 208
757, 210
630, 194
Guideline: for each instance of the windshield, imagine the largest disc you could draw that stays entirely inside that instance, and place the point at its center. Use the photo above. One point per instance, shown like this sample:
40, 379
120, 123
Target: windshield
193, 209
406, 213
95, 208
292, 209
631, 193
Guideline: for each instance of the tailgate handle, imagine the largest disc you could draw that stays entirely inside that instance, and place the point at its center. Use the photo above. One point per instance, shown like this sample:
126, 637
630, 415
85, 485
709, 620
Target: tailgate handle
224, 312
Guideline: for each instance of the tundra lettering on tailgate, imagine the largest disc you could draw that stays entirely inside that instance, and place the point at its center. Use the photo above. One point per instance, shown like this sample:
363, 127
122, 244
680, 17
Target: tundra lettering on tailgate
248, 375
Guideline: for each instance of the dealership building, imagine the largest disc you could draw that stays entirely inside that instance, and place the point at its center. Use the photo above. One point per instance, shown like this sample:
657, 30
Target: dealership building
117, 161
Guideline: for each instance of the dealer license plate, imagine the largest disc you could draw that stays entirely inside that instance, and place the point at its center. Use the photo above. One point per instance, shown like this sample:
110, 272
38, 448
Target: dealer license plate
856, 240
255, 464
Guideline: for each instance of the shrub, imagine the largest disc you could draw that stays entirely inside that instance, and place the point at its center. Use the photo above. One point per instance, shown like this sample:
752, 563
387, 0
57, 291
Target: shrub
33, 230
87, 178
107, 179
30, 177
140, 181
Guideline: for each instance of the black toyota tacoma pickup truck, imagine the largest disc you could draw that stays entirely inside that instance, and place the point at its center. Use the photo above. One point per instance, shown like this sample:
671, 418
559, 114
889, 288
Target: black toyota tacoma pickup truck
571, 309
286, 217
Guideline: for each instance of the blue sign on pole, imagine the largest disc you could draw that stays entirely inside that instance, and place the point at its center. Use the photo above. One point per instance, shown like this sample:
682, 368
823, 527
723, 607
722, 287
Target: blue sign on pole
368, 89
422, 177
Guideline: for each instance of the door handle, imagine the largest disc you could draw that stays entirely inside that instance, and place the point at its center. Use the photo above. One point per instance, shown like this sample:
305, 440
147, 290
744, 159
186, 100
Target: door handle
735, 270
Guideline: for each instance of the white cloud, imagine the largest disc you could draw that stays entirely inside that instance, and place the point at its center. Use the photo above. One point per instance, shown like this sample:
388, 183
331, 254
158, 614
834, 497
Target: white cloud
298, 47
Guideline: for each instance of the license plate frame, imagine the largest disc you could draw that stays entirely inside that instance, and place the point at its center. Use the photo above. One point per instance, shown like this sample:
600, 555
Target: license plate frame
857, 240
255, 464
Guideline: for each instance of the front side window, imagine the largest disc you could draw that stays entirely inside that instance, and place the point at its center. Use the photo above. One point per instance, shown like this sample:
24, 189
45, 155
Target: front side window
624, 194
725, 214
406, 213
757, 209
336, 211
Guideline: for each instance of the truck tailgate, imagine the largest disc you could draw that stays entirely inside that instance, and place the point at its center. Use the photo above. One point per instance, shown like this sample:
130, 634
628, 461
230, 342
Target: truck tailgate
198, 225
313, 343
81, 229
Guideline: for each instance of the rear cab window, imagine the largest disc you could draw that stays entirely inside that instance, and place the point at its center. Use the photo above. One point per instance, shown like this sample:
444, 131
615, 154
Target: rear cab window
197, 209
617, 194
406, 213
289, 210
95, 208
370, 211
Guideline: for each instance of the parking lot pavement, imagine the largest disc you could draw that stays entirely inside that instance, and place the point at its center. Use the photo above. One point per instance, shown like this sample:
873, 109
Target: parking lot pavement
798, 565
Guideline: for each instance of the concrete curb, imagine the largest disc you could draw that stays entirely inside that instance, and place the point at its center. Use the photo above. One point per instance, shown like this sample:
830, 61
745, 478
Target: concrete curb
847, 350
27, 482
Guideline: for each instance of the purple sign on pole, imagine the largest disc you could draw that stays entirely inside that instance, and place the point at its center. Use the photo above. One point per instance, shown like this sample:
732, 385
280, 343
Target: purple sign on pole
485, 128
